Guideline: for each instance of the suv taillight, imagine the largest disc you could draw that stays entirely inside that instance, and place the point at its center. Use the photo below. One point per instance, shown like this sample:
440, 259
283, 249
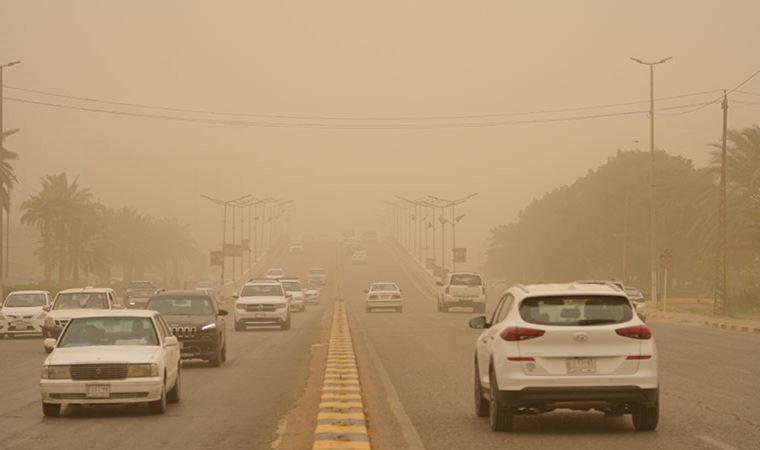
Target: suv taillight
483, 290
521, 333
635, 332
396, 297
373, 297
446, 290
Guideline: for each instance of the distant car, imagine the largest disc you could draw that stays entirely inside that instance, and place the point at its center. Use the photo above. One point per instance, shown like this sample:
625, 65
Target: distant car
637, 298
359, 257
207, 290
369, 237
23, 312
383, 295
311, 295
317, 277
296, 249
462, 289
293, 289
196, 320
274, 274
138, 298
108, 357
69, 301
577, 346
262, 303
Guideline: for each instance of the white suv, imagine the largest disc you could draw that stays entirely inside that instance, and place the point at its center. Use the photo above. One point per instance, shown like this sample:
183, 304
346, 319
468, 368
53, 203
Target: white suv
576, 346
465, 289
262, 303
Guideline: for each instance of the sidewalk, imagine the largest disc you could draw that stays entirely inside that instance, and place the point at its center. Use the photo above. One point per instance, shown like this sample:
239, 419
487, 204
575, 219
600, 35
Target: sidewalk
700, 312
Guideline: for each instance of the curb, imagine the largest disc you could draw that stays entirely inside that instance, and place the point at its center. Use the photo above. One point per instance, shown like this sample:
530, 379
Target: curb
730, 327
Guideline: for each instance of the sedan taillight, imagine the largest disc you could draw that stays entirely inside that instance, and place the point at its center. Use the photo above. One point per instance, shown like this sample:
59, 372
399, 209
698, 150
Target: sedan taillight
446, 290
396, 297
521, 333
373, 297
635, 332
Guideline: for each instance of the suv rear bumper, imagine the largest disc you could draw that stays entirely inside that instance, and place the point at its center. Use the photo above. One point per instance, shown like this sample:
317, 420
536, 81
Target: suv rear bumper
608, 394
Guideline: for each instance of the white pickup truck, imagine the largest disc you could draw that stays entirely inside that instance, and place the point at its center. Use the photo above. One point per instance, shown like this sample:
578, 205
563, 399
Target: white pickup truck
462, 289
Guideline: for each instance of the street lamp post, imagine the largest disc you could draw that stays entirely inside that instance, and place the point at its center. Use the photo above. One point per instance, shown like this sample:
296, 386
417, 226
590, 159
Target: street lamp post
7, 240
454, 219
652, 183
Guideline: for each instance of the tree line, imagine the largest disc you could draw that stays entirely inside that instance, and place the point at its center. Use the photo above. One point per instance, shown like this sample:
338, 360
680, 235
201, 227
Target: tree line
598, 227
80, 237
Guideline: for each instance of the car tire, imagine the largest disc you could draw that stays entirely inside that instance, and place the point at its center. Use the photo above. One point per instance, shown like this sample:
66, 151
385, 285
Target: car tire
368, 310
216, 360
501, 416
159, 406
174, 395
224, 352
400, 309
482, 405
239, 326
51, 409
646, 417
286, 325
444, 309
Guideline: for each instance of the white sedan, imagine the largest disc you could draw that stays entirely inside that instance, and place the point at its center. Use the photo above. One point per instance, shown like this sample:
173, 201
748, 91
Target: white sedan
384, 295
23, 312
108, 357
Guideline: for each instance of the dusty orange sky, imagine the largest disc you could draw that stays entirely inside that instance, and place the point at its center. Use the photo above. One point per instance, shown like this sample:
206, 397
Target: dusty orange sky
359, 59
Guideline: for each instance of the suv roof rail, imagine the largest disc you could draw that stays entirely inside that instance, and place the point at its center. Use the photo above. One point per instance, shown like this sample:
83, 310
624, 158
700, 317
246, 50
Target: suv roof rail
522, 288
610, 284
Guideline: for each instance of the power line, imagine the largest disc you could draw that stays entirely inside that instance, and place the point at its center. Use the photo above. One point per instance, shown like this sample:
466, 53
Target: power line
315, 125
352, 118
719, 99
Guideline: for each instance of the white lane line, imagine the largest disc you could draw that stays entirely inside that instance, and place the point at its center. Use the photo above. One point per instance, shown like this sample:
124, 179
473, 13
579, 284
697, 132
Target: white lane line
716, 443
410, 434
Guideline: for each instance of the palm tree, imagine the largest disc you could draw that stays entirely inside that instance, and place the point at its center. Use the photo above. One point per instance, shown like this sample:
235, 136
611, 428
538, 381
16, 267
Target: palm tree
7, 179
56, 212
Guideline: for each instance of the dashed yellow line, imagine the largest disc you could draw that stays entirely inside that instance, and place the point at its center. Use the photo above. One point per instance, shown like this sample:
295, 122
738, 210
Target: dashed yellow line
341, 422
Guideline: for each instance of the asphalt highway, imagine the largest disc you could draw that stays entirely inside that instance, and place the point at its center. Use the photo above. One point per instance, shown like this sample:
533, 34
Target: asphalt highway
416, 373
709, 378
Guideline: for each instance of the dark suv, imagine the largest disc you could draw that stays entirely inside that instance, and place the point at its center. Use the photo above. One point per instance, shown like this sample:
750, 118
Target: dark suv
196, 320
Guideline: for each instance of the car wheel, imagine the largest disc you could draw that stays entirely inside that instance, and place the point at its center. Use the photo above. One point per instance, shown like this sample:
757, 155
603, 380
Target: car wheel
400, 309
444, 308
501, 416
239, 326
224, 352
646, 417
174, 395
51, 409
286, 325
216, 359
481, 404
159, 406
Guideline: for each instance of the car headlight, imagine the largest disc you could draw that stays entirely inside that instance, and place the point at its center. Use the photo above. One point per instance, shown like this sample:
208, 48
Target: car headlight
49, 322
280, 305
240, 306
142, 370
56, 372
211, 326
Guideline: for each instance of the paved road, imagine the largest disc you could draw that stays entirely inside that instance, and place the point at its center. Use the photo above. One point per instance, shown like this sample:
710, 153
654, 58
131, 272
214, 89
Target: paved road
710, 391
237, 405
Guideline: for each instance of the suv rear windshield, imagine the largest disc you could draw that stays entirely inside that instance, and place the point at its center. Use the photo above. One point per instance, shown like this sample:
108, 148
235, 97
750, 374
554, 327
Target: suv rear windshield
291, 286
576, 310
262, 290
466, 280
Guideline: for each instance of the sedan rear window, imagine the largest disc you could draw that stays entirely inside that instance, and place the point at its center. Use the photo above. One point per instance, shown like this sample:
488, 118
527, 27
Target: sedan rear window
576, 310
466, 280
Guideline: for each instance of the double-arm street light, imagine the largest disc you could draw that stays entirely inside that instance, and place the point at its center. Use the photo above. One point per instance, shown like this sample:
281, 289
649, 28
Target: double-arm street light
652, 181
234, 203
445, 203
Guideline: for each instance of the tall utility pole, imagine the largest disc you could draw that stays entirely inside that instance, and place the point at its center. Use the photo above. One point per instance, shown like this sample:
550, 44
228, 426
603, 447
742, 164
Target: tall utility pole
721, 303
2, 130
652, 182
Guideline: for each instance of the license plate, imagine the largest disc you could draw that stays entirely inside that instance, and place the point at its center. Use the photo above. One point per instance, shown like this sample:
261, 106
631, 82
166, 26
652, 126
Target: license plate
581, 365
260, 315
19, 324
98, 391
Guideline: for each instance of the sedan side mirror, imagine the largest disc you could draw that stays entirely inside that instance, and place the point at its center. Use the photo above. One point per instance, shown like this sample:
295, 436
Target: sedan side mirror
366, 291
171, 341
479, 323
235, 296
223, 312
46, 308
439, 283
49, 344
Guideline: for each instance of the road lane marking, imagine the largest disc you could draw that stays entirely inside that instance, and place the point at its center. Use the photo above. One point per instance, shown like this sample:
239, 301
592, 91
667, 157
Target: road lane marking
716, 443
341, 421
